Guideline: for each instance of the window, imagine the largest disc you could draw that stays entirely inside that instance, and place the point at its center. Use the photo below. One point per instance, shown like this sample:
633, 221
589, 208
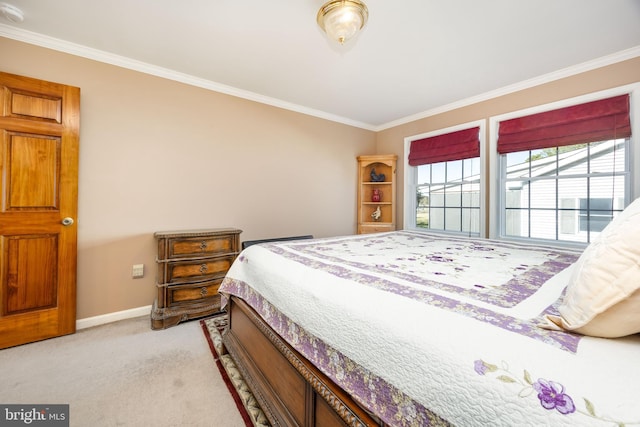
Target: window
443, 178
567, 193
595, 214
560, 182
564, 173
448, 196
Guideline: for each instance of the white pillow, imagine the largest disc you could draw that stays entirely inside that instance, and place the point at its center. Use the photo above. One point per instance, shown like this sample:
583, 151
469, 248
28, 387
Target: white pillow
603, 295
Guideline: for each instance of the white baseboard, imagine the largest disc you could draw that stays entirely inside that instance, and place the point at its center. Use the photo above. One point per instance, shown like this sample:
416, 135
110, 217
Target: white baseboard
112, 317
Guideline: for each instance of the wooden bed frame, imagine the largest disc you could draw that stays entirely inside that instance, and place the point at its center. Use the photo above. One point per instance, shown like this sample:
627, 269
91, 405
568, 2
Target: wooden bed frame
290, 390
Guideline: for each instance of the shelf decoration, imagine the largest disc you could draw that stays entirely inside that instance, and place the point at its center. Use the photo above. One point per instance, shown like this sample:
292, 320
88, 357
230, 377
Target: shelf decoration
376, 177
376, 208
376, 214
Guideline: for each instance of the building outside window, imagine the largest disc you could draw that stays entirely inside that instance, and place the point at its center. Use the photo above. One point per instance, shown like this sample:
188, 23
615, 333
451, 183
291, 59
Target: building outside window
567, 193
448, 196
443, 180
556, 173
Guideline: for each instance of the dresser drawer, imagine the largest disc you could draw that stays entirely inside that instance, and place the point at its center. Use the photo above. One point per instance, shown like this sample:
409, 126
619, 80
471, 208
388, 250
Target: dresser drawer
190, 267
197, 270
197, 247
205, 292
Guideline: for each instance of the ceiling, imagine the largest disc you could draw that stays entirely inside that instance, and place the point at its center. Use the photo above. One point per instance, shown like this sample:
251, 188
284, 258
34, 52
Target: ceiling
413, 56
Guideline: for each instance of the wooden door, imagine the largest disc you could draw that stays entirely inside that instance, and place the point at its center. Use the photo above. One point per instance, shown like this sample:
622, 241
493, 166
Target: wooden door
39, 136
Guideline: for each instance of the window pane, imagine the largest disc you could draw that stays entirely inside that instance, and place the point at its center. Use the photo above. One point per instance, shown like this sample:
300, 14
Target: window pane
574, 160
436, 218
620, 156
454, 171
454, 196
452, 219
471, 168
618, 193
574, 191
597, 221
422, 196
422, 217
443, 190
436, 198
572, 188
517, 222
438, 172
606, 186
543, 224
424, 174
471, 195
471, 220
535, 155
517, 164
607, 157
543, 194
570, 191
595, 214
517, 195
544, 162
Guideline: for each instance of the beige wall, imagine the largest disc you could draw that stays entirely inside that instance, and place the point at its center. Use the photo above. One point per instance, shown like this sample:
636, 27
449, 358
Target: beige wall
392, 140
160, 155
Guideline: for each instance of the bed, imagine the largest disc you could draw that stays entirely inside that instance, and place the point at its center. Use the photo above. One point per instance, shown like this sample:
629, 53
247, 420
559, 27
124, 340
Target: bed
411, 329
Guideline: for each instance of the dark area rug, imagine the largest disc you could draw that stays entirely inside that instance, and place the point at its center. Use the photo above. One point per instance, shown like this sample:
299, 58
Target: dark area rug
246, 403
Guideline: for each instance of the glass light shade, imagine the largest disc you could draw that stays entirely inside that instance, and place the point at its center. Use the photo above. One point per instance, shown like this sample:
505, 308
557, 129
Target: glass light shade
342, 19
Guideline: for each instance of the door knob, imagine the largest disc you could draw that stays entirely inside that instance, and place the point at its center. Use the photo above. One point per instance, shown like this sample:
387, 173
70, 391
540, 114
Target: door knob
67, 221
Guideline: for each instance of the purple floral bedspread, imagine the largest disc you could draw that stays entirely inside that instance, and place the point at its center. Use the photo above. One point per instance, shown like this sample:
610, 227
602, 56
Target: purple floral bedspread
405, 321
441, 271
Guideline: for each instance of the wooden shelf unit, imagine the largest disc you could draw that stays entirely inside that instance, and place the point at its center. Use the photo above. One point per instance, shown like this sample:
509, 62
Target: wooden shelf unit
382, 164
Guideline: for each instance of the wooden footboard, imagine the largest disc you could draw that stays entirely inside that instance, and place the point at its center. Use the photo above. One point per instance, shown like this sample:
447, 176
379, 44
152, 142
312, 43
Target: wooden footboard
290, 390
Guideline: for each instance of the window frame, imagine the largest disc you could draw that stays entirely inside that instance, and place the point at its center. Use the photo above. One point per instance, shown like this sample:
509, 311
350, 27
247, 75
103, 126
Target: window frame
558, 181
496, 195
411, 177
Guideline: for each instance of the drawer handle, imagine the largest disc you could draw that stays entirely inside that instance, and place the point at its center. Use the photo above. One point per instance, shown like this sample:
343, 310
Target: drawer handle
203, 268
203, 245
203, 291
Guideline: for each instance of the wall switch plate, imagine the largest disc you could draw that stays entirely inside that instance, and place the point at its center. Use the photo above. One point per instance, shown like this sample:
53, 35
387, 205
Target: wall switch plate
138, 271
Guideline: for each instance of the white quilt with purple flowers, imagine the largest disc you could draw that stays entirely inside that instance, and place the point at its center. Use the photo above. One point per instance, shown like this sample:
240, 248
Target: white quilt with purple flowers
425, 329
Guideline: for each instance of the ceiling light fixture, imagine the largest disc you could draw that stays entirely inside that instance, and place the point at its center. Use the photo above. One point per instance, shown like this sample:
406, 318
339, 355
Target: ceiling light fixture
342, 19
11, 13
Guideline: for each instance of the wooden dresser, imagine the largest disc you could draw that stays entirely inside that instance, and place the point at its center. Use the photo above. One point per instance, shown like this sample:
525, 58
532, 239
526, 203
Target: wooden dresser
190, 267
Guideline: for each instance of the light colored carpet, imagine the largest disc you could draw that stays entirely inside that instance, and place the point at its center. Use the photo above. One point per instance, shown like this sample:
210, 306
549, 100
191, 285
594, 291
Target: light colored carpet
123, 374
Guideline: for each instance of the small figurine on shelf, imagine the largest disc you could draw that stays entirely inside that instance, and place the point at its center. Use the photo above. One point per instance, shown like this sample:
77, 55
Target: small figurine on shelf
376, 177
376, 195
376, 214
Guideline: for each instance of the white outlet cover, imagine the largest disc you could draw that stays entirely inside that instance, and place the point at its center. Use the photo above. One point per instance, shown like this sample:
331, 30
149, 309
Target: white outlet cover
138, 270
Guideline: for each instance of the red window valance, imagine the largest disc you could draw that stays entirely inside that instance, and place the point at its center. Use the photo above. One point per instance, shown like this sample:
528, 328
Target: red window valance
590, 122
463, 144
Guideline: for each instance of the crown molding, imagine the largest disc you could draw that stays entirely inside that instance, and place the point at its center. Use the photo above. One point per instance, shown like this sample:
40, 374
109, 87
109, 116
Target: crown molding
526, 84
41, 40
143, 67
